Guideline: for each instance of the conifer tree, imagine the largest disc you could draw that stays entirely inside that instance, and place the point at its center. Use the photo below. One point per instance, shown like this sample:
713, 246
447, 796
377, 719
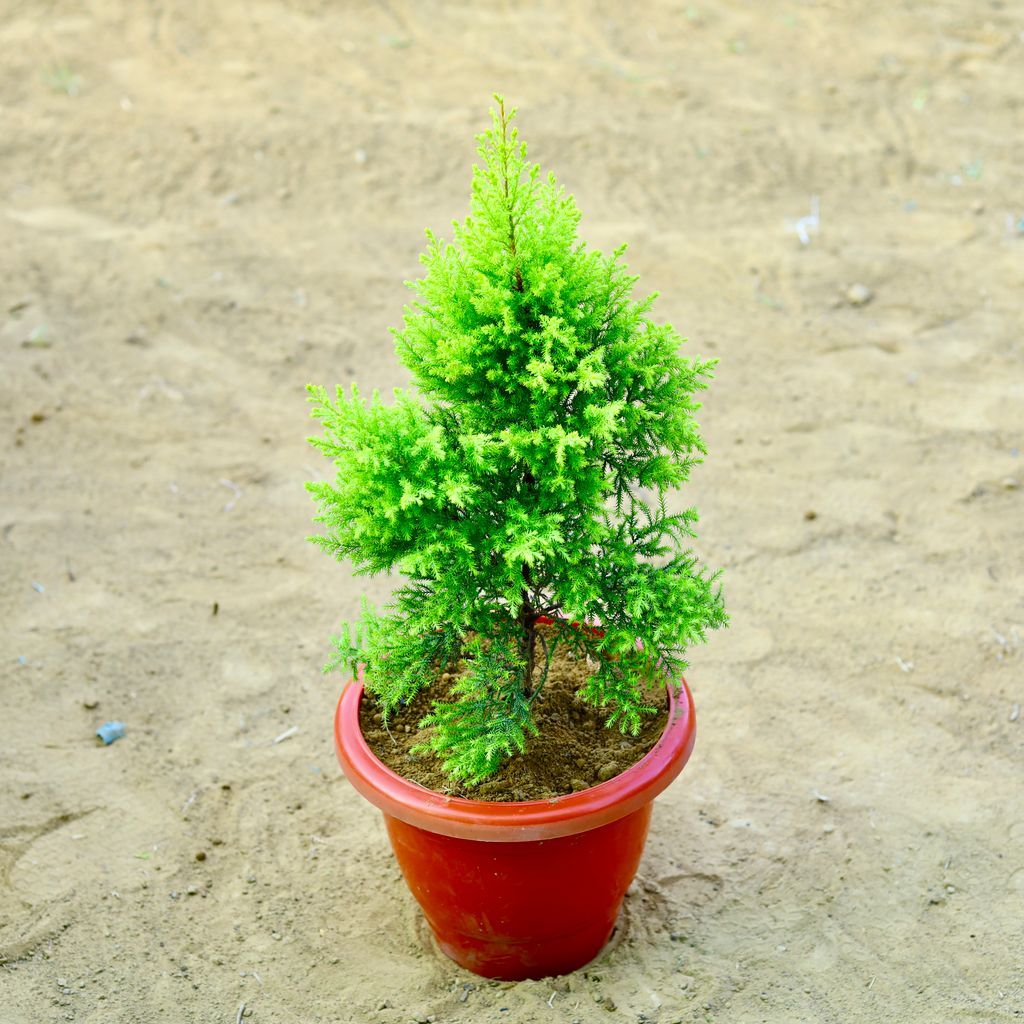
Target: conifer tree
526, 477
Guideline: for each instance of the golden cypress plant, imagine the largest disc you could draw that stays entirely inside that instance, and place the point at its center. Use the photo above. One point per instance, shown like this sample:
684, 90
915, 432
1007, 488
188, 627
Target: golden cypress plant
526, 476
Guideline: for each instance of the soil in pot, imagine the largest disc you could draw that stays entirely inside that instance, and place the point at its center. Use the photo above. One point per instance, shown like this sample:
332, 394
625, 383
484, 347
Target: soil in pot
573, 751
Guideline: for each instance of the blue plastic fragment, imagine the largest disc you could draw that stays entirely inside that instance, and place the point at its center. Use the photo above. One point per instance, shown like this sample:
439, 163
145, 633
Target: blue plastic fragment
110, 731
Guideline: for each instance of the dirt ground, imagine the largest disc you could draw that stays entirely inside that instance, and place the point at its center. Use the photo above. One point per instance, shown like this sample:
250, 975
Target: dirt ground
203, 207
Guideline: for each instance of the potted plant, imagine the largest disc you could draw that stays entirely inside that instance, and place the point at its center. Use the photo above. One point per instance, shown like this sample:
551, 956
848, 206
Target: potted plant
522, 492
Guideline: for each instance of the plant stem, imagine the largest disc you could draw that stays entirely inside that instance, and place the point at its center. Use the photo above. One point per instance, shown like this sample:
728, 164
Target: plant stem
548, 652
528, 620
518, 285
528, 613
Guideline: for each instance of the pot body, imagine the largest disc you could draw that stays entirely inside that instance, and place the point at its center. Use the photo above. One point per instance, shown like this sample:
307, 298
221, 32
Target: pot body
521, 910
519, 890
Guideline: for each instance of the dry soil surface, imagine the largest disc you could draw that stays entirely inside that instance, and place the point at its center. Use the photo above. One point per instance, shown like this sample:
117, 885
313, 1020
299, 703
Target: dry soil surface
203, 207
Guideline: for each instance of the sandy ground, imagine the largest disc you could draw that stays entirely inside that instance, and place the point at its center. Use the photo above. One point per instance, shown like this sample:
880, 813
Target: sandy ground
205, 207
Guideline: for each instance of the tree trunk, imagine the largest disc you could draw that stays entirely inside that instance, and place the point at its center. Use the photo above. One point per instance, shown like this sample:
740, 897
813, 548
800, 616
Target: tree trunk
528, 620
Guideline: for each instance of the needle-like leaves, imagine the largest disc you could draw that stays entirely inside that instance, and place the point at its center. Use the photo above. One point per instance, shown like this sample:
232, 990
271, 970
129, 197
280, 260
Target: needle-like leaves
527, 475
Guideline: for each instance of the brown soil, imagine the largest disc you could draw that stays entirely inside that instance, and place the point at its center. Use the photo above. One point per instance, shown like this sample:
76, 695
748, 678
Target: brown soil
573, 750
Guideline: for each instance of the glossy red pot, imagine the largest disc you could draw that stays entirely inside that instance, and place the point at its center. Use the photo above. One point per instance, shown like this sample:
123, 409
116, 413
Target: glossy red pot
518, 890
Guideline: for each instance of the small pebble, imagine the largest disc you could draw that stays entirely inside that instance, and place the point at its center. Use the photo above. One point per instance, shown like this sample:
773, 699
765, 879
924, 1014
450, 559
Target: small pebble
608, 771
829, 828
90, 703
201, 855
1010, 483
192, 890
859, 295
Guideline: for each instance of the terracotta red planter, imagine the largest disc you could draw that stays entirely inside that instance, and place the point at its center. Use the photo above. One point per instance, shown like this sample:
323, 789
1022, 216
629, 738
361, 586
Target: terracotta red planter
518, 890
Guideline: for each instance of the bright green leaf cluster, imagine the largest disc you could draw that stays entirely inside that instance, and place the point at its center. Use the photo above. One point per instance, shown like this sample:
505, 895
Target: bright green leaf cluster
527, 477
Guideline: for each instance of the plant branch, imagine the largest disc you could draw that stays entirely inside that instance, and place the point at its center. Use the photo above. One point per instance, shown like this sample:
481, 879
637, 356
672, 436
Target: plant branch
548, 655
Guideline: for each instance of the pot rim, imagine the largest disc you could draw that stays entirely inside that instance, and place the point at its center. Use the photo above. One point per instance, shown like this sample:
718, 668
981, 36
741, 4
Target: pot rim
522, 821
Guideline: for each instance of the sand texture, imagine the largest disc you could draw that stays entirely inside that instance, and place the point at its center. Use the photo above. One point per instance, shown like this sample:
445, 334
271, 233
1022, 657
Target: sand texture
204, 207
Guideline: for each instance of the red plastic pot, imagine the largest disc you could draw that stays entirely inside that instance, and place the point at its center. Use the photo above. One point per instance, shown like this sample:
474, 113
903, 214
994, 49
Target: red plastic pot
518, 890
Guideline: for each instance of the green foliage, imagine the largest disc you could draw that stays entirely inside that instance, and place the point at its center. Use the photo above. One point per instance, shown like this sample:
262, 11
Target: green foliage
527, 477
